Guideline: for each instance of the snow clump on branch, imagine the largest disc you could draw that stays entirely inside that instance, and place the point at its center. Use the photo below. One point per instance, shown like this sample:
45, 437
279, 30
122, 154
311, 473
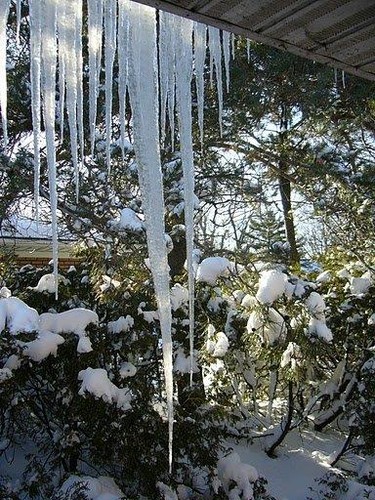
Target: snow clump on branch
272, 285
212, 268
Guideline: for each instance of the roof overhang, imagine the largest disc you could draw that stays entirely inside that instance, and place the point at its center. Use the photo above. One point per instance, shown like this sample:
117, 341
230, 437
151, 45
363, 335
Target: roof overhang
340, 33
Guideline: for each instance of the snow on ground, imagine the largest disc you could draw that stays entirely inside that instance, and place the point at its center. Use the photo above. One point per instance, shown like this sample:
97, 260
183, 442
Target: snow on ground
305, 457
100, 488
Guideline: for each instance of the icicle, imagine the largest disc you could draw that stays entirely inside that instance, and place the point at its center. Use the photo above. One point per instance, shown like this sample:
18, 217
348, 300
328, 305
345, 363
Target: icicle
110, 16
171, 30
79, 71
69, 56
18, 10
343, 79
164, 51
215, 53
35, 70
200, 35
248, 49
4, 11
184, 76
143, 75
226, 51
122, 51
233, 42
95, 27
49, 50
63, 23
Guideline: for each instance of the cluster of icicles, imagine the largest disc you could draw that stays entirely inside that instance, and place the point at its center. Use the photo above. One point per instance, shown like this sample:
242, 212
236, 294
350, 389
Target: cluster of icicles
155, 63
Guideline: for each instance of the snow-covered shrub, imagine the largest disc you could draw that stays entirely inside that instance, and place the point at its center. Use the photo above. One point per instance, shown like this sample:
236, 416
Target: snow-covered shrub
102, 406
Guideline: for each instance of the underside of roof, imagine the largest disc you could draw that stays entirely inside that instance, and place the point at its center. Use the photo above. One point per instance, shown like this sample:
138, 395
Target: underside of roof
336, 32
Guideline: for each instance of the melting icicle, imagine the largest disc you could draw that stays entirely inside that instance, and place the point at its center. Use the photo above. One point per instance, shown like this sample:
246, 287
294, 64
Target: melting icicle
95, 27
143, 75
226, 51
248, 49
18, 10
233, 43
122, 43
35, 70
63, 23
110, 15
171, 30
49, 50
79, 70
164, 51
200, 35
67, 54
215, 53
4, 11
184, 76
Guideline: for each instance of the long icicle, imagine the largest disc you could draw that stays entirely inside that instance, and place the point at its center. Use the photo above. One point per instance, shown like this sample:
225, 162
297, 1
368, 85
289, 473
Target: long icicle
35, 70
184, 77
71, 79
215, 55
122, 52
79, 70
95, 29
4, 11
49, 50
110, 14
145, 107
63, 24
200, 47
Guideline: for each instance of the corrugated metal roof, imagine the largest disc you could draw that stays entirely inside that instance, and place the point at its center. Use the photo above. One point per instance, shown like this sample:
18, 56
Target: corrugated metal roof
337, 32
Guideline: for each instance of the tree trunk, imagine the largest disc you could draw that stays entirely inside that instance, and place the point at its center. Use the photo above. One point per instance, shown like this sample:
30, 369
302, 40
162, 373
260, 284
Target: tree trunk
285, 193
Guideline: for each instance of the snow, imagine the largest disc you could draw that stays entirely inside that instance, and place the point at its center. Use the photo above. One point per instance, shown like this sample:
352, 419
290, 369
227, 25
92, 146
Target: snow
96, 382
179, 296
5, 374
127, 369
183, 363
129, 220
72, 321
291, 356
5, 293
217, 343
324, 277
270, 327
17, 316
44, 345
122, 324
315, 304
231, 469
47, 283
84, 345
212, 268
318, 328
271, 286
96, 488
166, 491
359, 286
302, 458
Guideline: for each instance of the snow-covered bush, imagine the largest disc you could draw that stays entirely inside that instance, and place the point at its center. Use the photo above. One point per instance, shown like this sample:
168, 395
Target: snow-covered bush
103, 406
